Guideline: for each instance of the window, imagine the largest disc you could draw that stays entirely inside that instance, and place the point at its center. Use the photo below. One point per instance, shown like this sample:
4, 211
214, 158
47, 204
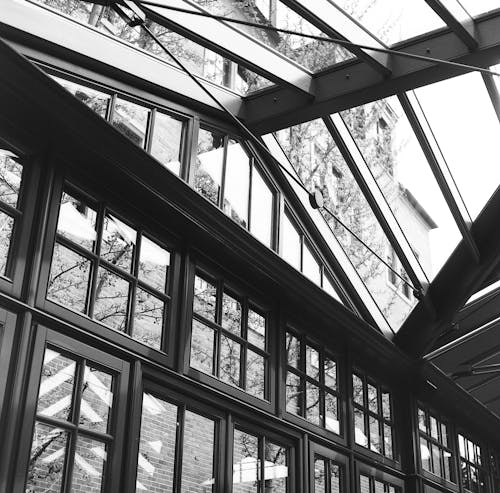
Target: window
259, 464
401, 282
311, 383
373, 422
72, 437
175, 442
113, 272
229, 336
436, 452
368, 484
329, 476
473, 470
131, 120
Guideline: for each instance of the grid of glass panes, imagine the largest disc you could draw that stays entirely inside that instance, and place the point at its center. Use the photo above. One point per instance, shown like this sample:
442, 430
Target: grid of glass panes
229, 337
225, 174
160, 133
328, 476
109, 270
311, 383
11, 175
373, 416
436, 453
175, 443
72, 434
259, 464
368, 484
472, 466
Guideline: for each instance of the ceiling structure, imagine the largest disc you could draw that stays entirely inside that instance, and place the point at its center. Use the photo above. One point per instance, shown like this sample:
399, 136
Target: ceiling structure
286, 67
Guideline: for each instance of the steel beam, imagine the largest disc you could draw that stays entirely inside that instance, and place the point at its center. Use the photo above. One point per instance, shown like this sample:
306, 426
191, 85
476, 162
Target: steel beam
354, 83
232, 43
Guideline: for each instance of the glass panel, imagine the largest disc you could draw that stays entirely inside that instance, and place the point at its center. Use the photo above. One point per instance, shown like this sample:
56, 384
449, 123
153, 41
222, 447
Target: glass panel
89, 467
46, 465
335, 479
205, 298
256, 374
275, 468
388, 448
357, 390
230, 352
372, 398
461, 446
319, 476
434, 428
11, 173
313, 413
290, 243
97, 399
397, 162
391, 20
55, 395
118, 242
111, 300
386, 405
154, 262
237, 183
208, 164
312, 54
131, 120
425, 454
246, 463
329, 288
359, 428
444, 434
436, 459
421, 421
202, 347
330, 373
69, 279
331, 413
375, 444
231, 314
312, 362
198, 454
475, 125
293, 394
6, 228
364, 483
77, 221
148, 319
292, 350
475, 7
261, 209
310, 267
95, 100
155, 467
448, 465
166, 141
256, 334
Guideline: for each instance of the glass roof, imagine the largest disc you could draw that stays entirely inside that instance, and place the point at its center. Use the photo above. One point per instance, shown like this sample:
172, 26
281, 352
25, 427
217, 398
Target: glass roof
478, 7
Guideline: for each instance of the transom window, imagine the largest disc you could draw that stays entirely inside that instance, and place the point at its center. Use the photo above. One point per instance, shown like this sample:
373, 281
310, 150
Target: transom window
472, 465
329, 476
368, 484
229, 336
311, 383
373, 416
107, 269
436, 452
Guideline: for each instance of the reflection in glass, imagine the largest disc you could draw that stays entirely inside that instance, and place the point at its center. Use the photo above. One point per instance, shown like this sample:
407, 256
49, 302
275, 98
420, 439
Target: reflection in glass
231, 314
312, 362
275, 468
111, 300
388, 448
69, 279
375, 444
294, 395
256, 368
6, 228
330, 373
261, 209
319, 476
313, 414
118, 242
166, 141
372, 398
148, 319
292, 350
89, 466
425, 454
229, 360
97, 399
331, 413
154, 262
204, 301
237, 183
131, 120
10, 178
256, 334
246, 463
202, 347
359, 428
357, 390
290, 243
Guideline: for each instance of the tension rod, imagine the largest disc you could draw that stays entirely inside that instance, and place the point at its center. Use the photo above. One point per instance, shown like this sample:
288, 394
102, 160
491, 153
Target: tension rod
138, 20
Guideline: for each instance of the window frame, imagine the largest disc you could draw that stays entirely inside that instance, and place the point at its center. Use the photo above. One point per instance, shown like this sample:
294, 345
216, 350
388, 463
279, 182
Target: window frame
327, 453
484, 467
363, 469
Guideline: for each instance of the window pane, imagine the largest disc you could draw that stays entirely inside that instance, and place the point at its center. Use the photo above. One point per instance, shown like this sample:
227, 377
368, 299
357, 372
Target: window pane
375, 435
293, 394
444, 434
89, 467
290, 243
69, 279
275, 468
425, 454
331, 413
329, 288
97, 399
436, 459
335, 478
231, 314
256, 376
434, 428
357, 390
202, 347
312, 362
386, 405
154, 262
95, 100
48, 453
310, 267
131, 120
261, 209
204, 302
292, 350
10, 179
364, 484
246, 463
372, 398
359, 428
319, 476
330, 373
166, 141
208, 164
229, 361
421, 421
198, 454
148, 319
111, 300
237, 183
313, 414
77, 221
55, 395
118, 242
388, 447
155, 468
256, 334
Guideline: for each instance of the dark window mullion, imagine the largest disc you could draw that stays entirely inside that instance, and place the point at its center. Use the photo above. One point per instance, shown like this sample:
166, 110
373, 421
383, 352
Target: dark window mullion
149, 130
244, 336
179, 447
110, 113
262, 457
223, 174
133, 281
95, 266
249, 215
